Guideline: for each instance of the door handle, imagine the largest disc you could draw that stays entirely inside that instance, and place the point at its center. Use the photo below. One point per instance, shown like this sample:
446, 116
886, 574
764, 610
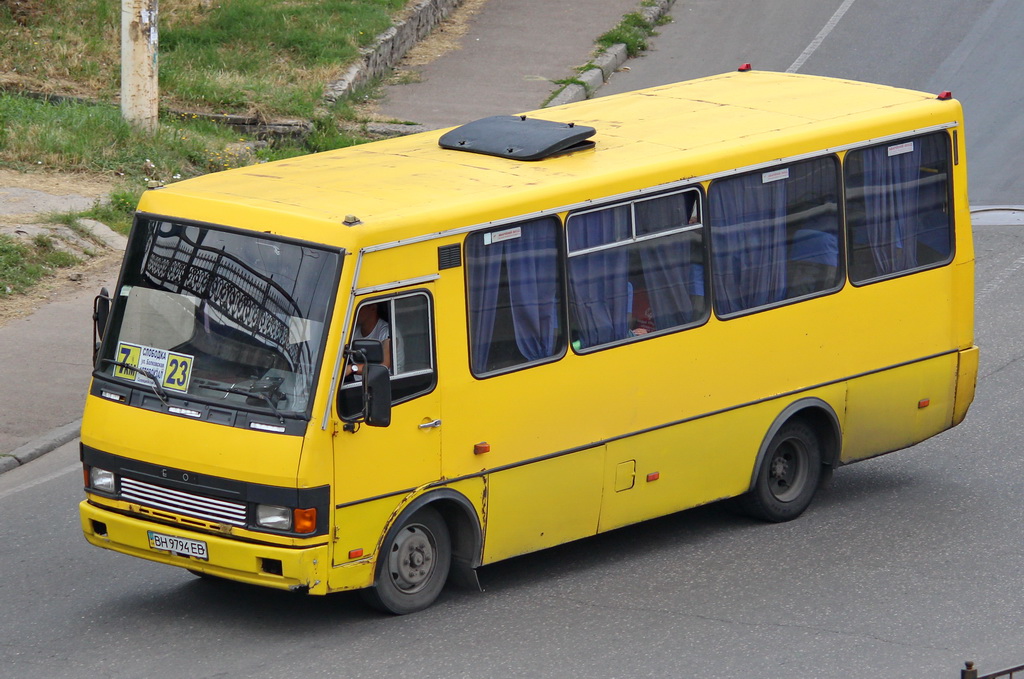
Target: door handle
434, 424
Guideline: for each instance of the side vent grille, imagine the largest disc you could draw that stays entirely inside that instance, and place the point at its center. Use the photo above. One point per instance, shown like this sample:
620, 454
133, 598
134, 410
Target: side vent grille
449, 256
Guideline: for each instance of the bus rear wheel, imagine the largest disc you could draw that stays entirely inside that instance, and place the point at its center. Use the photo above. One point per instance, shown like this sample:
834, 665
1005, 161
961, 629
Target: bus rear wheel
788, 477
413, 564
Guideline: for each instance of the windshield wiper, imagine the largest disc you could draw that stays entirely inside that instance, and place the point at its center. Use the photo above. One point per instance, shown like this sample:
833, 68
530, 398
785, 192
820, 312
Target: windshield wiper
157, 389
254, 393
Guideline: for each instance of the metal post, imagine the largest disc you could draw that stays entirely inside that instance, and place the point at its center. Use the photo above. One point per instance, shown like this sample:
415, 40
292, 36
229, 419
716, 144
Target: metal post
139, 90
969, 672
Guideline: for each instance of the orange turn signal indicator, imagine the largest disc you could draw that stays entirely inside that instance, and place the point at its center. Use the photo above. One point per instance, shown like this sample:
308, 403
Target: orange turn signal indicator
304, 520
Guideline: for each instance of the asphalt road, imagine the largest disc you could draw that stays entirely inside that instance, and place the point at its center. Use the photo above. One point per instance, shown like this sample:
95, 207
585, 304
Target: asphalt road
906, 566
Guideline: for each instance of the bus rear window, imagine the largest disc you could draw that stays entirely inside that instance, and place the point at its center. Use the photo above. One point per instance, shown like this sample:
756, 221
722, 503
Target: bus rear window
898, 207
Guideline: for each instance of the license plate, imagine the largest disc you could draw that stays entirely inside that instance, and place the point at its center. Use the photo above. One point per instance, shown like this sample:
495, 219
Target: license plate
183, 546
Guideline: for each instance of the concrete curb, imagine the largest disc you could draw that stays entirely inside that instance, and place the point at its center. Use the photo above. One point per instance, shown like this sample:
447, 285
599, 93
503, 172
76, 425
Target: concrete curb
390, 46
49, 441
607, 62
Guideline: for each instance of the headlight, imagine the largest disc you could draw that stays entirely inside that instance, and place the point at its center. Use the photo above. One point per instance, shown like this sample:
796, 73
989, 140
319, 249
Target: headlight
272, 516
102, 480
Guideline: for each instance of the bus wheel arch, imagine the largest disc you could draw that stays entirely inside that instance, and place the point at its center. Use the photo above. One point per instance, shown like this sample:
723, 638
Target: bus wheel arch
436, 537
797, 455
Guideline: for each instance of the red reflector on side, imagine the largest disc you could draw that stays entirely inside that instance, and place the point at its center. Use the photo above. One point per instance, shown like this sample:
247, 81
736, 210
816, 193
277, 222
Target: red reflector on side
924, 403
355, 553
653, 476
481, 448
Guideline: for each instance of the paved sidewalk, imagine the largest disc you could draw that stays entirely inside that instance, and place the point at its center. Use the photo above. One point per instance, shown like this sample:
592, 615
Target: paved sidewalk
45, 363
505, 64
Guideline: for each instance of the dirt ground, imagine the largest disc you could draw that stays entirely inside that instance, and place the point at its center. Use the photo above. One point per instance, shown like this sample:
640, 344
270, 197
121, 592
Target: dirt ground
58, 184
87, 275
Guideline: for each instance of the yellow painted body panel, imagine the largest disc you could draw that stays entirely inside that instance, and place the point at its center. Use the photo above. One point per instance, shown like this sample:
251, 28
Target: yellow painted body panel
229, 558
694, 463
966, 381
586, 442
893, 409
184, 443
364, 525
544, 504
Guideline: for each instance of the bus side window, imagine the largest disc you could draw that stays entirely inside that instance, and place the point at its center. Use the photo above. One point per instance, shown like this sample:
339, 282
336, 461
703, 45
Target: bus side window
514, 290
898, 207
635, 268
775, 235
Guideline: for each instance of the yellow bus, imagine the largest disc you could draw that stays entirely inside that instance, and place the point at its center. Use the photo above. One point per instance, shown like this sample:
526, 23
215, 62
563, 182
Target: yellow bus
381, 367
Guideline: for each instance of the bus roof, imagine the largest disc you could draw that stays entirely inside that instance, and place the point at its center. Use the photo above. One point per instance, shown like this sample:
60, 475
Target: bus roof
410, 186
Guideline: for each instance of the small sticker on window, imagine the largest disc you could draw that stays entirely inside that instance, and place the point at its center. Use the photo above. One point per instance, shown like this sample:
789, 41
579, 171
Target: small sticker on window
898, 149
775, 175
506, 234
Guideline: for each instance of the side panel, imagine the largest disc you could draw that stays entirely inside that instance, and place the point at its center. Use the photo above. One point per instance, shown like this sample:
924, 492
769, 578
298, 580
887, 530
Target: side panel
564, 504
693, 463
965, 383
360, 531
899, 407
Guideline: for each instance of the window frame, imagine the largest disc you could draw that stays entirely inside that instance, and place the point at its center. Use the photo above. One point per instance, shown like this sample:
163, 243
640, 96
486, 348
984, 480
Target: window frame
390, 299
951, 162
841, 274
632, 240
561, 341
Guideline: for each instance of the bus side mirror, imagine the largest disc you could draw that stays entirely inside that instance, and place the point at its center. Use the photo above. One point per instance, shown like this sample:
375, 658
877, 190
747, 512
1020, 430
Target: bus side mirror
368, 350
376, 395
376, 383
100, 314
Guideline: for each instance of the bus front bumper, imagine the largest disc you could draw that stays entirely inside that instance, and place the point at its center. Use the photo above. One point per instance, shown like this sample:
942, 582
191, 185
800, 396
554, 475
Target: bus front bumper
297, 569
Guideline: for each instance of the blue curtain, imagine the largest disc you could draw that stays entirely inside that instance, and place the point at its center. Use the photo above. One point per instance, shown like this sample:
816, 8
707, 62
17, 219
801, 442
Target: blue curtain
531, 262
891, 205
666, 262
748, 239
599, 281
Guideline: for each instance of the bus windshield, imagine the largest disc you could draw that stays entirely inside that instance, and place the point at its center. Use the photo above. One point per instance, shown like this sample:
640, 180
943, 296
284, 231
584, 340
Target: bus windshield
221, 316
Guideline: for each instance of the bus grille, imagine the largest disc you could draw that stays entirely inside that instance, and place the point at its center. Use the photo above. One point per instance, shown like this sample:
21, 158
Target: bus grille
220, 511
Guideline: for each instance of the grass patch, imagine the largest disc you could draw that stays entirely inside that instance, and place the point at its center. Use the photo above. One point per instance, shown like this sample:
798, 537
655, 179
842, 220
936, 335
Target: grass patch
22, 266
265, 58
271, 57
633, 31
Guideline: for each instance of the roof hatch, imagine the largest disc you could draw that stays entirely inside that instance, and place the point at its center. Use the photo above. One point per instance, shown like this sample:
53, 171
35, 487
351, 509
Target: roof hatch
518, 137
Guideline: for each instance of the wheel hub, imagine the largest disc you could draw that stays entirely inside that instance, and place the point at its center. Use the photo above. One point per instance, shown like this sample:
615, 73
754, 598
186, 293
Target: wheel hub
411, 561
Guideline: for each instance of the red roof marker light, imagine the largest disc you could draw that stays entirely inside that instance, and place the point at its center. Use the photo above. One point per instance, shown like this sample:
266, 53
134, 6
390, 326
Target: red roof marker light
744, 68
945, 95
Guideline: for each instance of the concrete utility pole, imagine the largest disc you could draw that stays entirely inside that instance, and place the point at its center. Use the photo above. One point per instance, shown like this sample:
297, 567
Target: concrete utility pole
139, 89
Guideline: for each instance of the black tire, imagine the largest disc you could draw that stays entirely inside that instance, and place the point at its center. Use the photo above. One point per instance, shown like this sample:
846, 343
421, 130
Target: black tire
413, 564
788, 477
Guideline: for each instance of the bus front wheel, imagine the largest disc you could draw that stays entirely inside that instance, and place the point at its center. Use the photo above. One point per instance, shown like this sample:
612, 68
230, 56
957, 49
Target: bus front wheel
413, 564
789, 475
